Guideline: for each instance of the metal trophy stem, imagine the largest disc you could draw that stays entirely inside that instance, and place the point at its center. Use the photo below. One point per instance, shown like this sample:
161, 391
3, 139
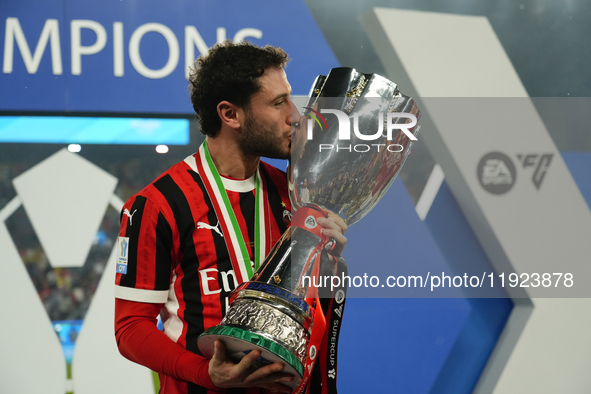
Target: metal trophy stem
349, 145
265, 315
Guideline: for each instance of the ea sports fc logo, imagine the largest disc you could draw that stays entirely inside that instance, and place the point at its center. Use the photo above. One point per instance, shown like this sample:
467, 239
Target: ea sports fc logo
496, 173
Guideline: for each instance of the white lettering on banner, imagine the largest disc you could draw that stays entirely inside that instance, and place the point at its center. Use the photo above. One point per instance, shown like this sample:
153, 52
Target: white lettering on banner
214, 289
247, 32
173, 50
50, 33
220, 34
118, 69
15, 32
77, 49
194, 40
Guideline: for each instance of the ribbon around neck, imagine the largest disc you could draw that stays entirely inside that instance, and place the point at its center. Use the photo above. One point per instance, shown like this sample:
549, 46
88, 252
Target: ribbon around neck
230, 228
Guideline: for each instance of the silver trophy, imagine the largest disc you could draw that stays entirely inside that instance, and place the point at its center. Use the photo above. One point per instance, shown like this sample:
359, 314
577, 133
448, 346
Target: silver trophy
352, 139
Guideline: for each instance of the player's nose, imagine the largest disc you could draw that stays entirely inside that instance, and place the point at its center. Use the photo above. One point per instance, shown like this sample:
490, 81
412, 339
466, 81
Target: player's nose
294, 116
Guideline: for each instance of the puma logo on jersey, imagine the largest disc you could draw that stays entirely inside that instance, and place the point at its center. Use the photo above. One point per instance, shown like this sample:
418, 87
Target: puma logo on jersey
207, 226
130, 215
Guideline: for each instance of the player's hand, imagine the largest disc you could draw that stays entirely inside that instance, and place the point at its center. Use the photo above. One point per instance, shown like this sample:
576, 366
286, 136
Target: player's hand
225, 373
334, 227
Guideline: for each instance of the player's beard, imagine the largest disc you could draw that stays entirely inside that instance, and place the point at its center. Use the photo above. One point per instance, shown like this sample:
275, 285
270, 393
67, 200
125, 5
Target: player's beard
258, 140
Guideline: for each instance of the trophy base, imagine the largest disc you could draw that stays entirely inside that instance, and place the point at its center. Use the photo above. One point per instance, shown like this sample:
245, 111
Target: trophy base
239, 342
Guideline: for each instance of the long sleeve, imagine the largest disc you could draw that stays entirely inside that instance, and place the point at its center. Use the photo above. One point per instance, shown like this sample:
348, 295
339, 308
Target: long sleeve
140, 341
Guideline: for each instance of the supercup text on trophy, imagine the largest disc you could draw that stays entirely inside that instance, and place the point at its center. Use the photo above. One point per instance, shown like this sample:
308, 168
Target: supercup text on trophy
392, 123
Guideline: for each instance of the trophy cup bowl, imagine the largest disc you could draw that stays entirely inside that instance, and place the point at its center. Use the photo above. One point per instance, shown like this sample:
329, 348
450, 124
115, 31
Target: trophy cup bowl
330, 171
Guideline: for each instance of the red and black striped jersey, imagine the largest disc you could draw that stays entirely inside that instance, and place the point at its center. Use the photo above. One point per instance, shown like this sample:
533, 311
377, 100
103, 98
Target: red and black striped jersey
171, 249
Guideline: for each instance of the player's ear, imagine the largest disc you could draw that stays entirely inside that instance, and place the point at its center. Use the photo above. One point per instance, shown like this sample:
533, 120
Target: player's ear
229, 114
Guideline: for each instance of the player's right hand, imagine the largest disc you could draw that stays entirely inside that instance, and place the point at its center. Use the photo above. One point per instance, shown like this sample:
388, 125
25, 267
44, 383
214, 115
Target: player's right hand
225, 373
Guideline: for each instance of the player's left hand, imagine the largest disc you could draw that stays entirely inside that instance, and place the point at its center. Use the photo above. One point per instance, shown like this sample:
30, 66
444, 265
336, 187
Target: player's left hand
334, 227
225, 373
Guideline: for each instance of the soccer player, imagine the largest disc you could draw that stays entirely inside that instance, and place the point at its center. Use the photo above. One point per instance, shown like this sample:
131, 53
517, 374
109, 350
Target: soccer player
192, 239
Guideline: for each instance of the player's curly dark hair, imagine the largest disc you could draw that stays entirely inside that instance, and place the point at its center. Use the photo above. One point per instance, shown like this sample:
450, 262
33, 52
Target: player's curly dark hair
229, 72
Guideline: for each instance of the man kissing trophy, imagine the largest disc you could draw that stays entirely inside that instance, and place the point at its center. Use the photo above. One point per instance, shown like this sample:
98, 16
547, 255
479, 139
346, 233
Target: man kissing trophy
347, 149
